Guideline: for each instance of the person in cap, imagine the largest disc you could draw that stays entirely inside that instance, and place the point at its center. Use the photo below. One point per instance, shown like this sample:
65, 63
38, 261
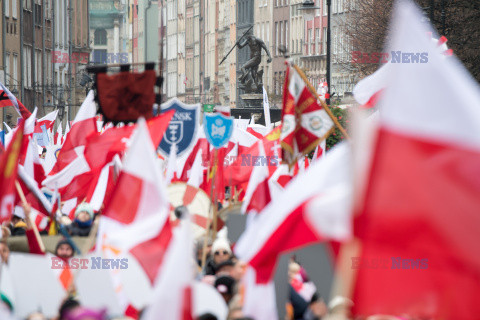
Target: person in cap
221, 252
82, 224
64, 249
17, 225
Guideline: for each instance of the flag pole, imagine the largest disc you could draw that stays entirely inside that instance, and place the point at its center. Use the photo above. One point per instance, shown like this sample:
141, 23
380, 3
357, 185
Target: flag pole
215, 211
27, 217
324, 105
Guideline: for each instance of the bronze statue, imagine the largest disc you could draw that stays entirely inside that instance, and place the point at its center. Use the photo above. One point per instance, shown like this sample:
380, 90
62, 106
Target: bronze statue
251, 78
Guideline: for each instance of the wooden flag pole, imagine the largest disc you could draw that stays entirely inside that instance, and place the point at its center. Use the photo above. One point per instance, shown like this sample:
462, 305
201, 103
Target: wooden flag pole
324, 105
27, 216
215, 205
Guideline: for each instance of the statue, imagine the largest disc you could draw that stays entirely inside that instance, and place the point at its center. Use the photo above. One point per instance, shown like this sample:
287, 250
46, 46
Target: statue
251, 78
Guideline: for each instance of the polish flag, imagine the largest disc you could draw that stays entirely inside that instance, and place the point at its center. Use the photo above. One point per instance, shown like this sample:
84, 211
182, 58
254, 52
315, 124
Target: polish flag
8, 99
257, 195
32, 192
225, 110
241, 169
8, 174
319, 150
64, 178
48, 121
368, 92
195, 180
258, 135
310, 210
141, 224
101, 148
28, 131
200, 147
172, 295
279, 180
421, 208
58, 138
83, 125
32, 164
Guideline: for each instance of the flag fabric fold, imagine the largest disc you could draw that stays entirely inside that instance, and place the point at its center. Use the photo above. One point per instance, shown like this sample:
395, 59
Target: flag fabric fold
420, 209
8, 173
308, 211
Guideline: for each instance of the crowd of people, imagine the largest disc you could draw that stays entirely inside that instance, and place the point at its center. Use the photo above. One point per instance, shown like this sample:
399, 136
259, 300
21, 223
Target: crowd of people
216, 265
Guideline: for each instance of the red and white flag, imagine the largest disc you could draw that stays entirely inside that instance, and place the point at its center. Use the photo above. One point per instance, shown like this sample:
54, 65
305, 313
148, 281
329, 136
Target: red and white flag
257, 195
319, 150
101, 148
8, 173
48, 121
8, 99
421, 209
240, 170
172, 296
58, 138
141, 224
369, 90
83, 125
225, 110
308, 211
33, 166
304, 121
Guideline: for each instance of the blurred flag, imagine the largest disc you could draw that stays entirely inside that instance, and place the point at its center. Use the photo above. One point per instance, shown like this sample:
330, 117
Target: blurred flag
145, 217
8, 99
172, 295
307, 212
421, 209
8, 174
83, 125
257, 195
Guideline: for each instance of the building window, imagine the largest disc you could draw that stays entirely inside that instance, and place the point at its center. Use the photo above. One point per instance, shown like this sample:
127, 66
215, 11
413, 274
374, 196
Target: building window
286, 34
100, 37
27, 4
15, 67
276, 38
7, 69
7, 8
324, 42
38, 14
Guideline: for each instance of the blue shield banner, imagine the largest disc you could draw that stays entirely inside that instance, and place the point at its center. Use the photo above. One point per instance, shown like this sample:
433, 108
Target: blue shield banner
182, 128
218, 129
